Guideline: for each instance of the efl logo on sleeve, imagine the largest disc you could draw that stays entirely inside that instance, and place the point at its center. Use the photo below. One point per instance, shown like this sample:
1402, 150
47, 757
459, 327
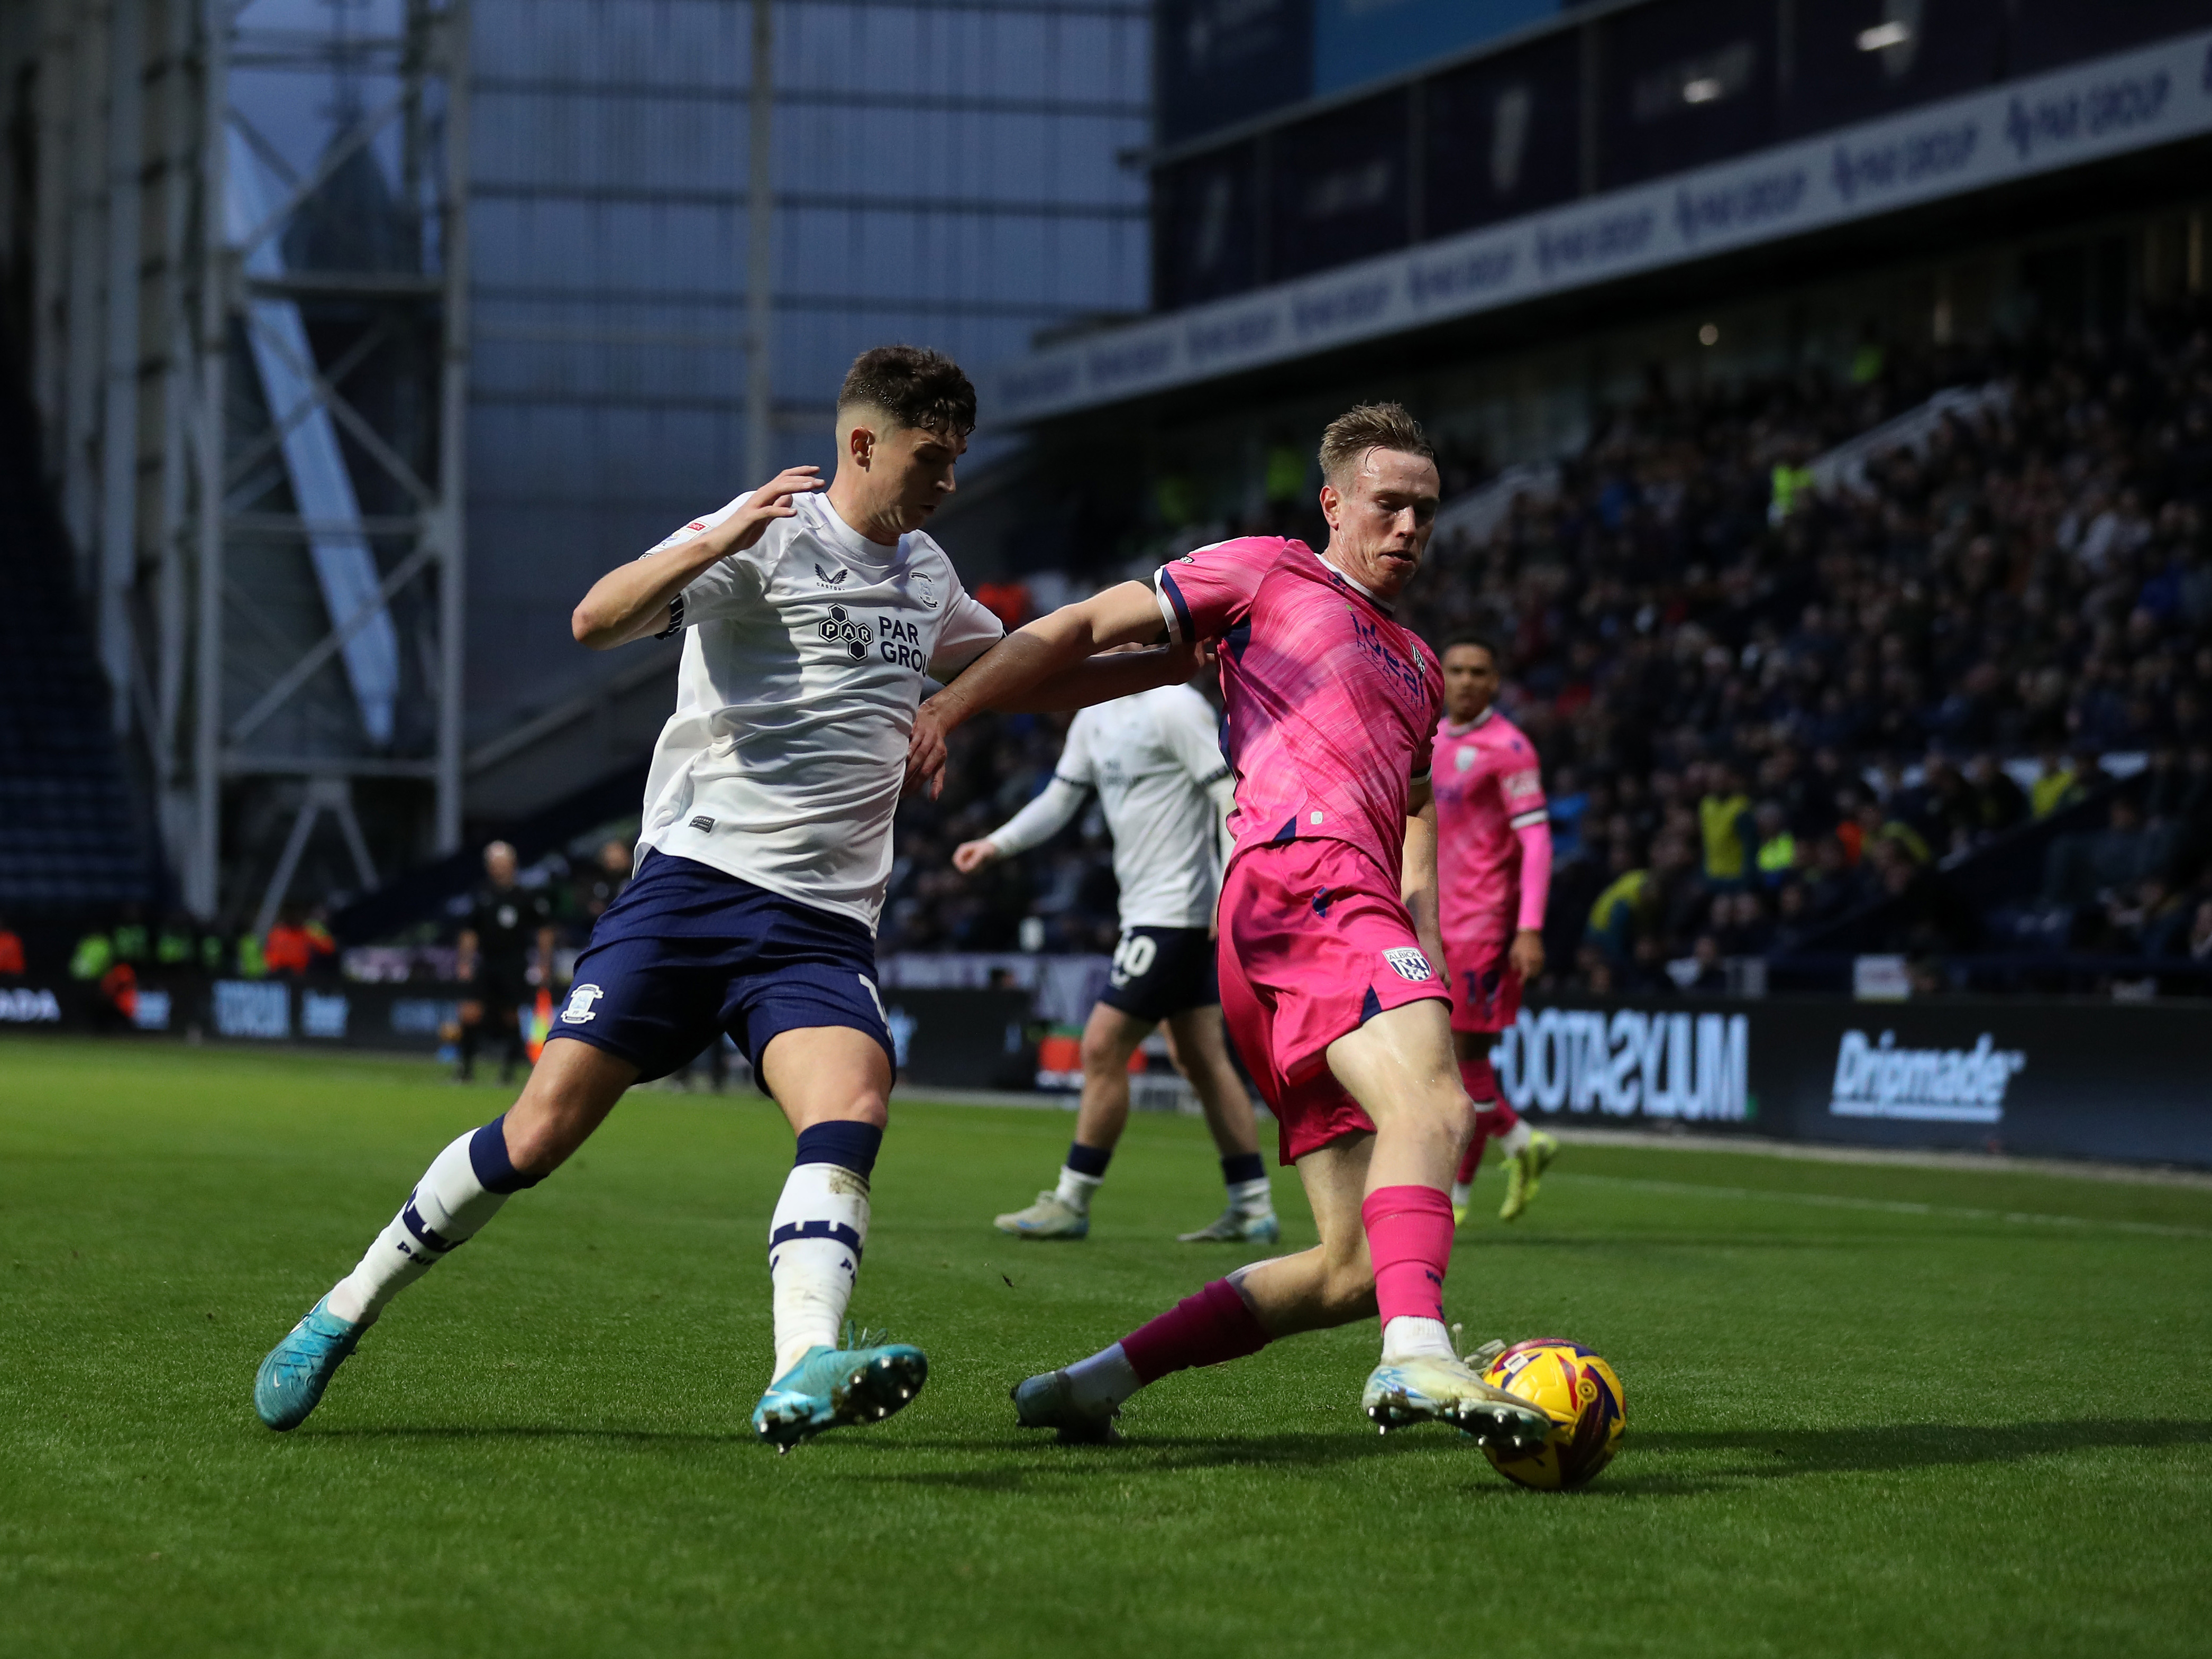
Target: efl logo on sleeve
1409, 962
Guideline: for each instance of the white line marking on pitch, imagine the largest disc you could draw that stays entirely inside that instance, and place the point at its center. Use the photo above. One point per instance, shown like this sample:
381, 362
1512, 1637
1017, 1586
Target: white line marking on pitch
1889, 1206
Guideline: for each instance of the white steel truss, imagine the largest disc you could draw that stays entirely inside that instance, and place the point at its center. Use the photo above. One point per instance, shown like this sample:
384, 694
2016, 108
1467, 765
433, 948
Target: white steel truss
257, 445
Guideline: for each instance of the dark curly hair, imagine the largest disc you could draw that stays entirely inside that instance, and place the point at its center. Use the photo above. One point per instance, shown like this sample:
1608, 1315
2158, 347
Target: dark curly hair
914, 385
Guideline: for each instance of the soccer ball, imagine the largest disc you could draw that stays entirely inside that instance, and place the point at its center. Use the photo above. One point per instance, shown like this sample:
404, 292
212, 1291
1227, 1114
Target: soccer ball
1583, 1397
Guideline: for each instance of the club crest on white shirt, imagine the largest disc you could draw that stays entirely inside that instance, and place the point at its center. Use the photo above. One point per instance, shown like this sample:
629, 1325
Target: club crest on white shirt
924, 588
1409, 962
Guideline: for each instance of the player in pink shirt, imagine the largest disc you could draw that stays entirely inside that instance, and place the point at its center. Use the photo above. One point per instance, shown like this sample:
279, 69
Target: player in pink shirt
1493, 872
1329, 932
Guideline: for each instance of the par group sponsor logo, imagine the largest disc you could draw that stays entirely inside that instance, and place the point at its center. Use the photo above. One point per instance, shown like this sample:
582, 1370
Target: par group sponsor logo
26, 1006
1629, 1061
1877, 1078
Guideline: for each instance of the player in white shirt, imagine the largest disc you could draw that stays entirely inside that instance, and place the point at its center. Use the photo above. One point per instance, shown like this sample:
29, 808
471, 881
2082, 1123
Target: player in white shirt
811, 624
1165, 790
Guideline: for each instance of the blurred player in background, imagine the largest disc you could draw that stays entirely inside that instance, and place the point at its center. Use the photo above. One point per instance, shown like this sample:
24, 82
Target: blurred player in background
509, 930
809, 621
1493, 873
1164, 790
1328, 931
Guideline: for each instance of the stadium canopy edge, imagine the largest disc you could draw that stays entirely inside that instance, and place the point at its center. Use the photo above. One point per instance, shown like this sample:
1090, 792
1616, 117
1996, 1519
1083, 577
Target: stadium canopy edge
2096, 111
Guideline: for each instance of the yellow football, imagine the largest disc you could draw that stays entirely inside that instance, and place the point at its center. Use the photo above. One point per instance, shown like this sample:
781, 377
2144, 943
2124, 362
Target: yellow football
1581, 1395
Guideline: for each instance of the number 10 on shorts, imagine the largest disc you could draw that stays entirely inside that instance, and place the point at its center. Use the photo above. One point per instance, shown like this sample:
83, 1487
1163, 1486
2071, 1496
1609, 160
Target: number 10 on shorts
1133, 956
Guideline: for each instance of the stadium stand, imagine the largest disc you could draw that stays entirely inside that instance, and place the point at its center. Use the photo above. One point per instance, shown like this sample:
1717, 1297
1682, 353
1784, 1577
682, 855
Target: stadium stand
1948, 695
69, 841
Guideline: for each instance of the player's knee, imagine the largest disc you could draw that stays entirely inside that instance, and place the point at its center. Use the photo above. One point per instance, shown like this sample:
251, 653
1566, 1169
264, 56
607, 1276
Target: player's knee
1103, 1053
1455, 1114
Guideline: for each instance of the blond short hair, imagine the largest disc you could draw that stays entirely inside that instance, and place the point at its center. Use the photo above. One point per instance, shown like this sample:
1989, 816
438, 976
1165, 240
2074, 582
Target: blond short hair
1369, 426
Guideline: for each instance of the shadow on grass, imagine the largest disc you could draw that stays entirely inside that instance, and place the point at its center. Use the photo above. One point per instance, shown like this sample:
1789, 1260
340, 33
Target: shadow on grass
438, 1431
1731, 1456
1665, 1463
1043, 1459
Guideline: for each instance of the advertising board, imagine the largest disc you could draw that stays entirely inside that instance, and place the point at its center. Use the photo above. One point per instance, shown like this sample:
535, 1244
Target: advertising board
2066, 1079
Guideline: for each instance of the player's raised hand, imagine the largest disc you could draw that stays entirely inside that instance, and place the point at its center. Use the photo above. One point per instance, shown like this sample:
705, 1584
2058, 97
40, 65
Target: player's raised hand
771, 501
972, 855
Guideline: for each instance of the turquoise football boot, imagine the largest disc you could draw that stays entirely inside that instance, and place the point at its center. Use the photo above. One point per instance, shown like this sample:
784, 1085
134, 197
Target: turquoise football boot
291, 1380
828, 1388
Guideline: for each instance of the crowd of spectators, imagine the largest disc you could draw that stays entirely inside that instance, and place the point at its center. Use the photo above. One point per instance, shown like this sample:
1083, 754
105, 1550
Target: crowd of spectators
1765, 707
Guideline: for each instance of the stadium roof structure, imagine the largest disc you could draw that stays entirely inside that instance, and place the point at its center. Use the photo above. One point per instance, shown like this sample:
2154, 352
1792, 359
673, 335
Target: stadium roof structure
2016, 132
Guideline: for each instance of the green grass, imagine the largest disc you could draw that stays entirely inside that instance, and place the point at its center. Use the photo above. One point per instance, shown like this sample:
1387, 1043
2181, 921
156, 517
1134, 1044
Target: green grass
1870, 1409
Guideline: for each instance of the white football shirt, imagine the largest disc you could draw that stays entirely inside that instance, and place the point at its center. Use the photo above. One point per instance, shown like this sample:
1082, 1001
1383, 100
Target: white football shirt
803, 659
1157, 765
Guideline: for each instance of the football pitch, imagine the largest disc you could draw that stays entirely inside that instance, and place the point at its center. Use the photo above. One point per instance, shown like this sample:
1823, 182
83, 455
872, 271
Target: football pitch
1870, 1409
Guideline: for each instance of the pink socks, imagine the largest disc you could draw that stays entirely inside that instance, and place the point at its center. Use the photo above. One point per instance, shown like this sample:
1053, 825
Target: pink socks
1409, 1236
1204, 1329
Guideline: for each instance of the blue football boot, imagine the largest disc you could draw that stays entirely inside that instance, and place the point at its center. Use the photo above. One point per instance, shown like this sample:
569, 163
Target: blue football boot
291, 1380
862, 1383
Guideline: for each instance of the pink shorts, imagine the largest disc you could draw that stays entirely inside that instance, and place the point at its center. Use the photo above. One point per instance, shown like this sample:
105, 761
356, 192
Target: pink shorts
1485, 991
1314, 942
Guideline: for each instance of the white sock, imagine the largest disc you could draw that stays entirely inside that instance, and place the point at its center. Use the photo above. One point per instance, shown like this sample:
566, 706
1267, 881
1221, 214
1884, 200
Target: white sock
447, 1207
1251, 1197
1462, 1193
1075, 1189
1104, 1380
1515, 1140
814, 1245
1405, 1338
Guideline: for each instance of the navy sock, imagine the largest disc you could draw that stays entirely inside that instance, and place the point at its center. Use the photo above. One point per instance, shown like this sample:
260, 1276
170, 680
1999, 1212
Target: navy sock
1240, 1167
849, 1146
1088, 1160
495, 1170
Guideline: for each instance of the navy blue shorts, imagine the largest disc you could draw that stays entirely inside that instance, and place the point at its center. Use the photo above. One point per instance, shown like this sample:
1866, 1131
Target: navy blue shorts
1160, 972
688, 952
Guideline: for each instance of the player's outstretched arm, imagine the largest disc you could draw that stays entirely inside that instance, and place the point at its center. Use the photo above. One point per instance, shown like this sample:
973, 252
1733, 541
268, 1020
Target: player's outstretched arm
631, 601
1046, 665
1051, 811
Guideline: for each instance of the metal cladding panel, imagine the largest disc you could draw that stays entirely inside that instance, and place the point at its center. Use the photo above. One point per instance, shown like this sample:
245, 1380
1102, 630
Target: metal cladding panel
1851, 60
1684, 83
944, 175
1338, 187
1223, 61
2046, 33
1361, 40
1503, 137
1206, 227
